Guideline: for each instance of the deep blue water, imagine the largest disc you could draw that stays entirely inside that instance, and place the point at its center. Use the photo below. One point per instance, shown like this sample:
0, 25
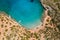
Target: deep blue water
28, 13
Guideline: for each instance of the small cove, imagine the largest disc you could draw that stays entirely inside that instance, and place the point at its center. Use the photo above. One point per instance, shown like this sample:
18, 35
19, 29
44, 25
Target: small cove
28, 13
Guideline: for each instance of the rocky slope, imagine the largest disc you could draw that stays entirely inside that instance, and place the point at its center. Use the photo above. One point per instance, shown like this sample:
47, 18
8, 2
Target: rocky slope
53, 7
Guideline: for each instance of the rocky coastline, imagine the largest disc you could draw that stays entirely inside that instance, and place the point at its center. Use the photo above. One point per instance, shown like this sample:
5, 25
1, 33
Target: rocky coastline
49, 30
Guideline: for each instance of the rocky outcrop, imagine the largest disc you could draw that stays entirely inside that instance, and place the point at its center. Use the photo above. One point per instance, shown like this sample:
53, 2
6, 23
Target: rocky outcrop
53, 7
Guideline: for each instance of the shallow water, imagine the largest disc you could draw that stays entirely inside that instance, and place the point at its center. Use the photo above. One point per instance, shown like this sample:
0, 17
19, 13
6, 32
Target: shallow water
28, 13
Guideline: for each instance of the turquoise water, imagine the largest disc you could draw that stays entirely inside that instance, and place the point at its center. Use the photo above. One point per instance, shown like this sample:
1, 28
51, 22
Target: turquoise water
28, 13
